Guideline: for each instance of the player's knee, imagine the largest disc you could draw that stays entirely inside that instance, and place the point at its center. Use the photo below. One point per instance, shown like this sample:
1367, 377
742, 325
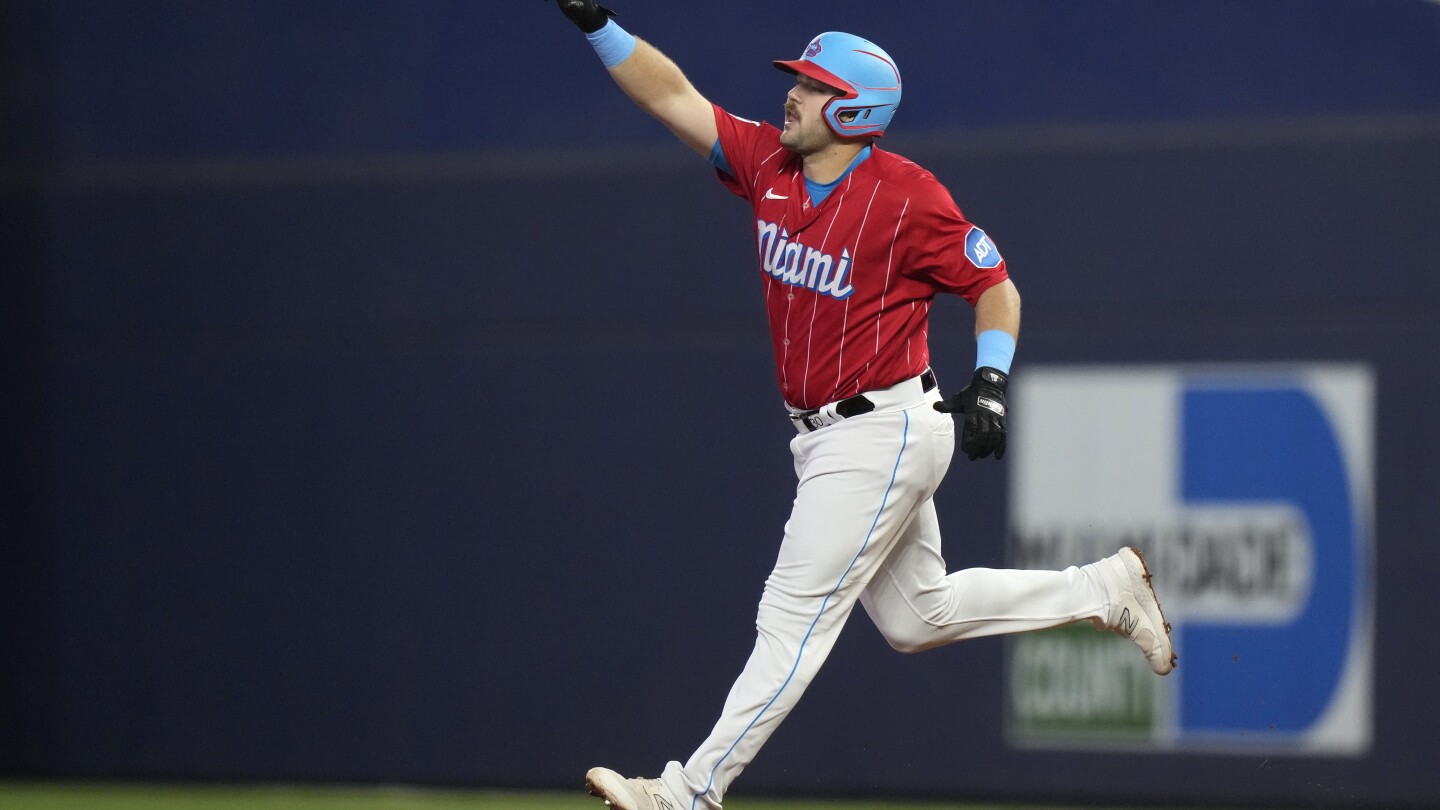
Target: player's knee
907, 637
904, 644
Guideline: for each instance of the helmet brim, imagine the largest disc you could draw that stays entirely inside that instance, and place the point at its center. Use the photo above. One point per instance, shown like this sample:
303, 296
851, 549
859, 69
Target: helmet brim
805, 67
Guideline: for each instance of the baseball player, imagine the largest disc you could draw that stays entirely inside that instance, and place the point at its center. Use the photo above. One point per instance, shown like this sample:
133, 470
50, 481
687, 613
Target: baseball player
853, 244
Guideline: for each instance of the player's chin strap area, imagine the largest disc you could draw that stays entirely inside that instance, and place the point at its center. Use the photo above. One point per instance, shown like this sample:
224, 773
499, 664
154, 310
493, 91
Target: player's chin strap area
905, 392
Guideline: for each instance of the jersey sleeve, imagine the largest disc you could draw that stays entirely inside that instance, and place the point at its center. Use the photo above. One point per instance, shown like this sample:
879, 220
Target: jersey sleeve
741, 143
948, 251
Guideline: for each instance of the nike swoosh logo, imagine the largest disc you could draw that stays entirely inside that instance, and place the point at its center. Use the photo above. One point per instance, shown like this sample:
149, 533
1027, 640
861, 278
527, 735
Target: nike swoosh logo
771, 195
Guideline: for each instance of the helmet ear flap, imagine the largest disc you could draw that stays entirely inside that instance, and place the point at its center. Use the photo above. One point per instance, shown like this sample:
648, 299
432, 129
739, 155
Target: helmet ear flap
859, 121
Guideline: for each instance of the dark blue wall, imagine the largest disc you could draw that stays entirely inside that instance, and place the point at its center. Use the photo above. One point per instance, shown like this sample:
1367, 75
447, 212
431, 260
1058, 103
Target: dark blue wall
163, 79
386, 400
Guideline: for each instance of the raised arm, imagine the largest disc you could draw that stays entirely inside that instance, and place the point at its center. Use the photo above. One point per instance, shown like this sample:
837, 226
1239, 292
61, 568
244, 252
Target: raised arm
647, 76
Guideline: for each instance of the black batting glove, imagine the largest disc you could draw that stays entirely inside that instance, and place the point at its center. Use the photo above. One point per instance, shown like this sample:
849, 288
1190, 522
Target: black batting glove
983, 404
588, 14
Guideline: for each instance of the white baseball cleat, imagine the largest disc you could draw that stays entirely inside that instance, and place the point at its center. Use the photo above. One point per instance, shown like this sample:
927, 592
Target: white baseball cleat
629, 794
1137, 615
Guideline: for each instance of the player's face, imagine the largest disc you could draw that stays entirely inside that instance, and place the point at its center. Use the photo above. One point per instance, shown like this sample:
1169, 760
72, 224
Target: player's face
805, 129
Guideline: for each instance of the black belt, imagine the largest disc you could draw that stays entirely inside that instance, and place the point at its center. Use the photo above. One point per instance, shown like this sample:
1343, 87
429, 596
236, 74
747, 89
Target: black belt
856, 405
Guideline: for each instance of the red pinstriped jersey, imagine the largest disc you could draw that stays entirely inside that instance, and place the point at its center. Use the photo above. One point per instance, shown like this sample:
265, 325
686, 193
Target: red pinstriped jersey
848, 283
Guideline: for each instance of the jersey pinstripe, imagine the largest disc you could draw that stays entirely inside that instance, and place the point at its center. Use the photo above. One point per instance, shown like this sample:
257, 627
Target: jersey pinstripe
848, 283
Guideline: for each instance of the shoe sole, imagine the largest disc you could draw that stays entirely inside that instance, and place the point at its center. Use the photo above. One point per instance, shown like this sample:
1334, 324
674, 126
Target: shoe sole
1145, 573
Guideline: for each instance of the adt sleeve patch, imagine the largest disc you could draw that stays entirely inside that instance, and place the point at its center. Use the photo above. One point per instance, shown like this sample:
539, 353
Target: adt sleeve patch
980, 250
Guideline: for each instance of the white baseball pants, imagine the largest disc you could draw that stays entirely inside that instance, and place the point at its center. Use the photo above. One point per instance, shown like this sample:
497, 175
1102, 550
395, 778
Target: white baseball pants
864, 528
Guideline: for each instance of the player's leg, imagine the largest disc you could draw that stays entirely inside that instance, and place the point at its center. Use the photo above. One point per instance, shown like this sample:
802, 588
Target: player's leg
860, 482
917, 605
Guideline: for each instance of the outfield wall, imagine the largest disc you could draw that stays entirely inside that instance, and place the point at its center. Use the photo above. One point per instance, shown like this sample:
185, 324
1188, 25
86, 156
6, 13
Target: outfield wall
355, 453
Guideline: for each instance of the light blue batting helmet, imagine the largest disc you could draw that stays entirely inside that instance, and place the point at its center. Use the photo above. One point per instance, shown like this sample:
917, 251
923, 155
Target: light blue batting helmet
863, 71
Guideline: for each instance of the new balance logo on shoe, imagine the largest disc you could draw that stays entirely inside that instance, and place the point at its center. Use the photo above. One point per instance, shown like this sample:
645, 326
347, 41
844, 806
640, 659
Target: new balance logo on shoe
1127, 623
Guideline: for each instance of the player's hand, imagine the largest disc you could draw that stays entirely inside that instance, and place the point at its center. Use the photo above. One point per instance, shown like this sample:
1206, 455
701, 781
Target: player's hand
588, 14
983, 404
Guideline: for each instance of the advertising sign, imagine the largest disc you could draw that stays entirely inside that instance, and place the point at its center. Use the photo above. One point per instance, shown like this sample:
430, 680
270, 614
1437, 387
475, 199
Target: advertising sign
1250, 491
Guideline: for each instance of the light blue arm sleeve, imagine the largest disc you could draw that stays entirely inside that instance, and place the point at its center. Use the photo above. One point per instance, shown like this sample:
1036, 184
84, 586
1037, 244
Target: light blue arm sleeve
612, 43
996, 349
717, 159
